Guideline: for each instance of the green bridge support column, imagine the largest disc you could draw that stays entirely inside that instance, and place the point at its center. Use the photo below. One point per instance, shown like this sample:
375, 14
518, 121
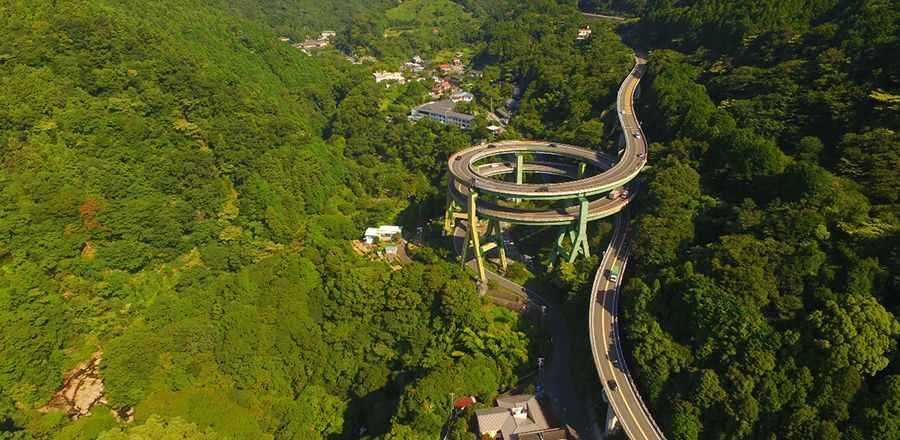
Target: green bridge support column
520, 169
577, 235
580, 241
495, 232
473, 239
449, 216
520, 172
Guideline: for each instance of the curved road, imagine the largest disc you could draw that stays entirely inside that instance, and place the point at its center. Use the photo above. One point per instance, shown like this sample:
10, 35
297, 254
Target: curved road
622, 394
598, 208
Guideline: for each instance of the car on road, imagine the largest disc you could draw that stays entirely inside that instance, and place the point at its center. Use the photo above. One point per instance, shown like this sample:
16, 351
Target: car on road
613, 274
612, 385
636, 135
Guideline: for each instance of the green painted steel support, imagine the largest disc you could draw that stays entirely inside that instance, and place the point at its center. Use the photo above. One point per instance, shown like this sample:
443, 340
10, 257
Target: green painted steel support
449, 216
520, 169
579, 238
473, 236
577, 235
495, 232
520, 172
582, 167
559, 249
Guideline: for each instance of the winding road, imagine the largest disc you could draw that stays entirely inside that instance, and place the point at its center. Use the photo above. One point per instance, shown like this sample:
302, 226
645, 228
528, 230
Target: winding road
470, 174
603, 319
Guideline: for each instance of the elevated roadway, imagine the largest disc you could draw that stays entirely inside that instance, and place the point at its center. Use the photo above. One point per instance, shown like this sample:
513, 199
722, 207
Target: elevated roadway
603, 321
471, 177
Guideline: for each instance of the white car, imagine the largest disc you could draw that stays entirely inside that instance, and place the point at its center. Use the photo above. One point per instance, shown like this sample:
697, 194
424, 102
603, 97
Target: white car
636, 135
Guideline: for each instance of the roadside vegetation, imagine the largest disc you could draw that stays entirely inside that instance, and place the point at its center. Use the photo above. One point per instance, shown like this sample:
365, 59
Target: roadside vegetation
762, 292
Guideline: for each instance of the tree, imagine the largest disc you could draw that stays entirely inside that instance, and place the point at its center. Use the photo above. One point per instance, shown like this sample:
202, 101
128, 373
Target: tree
873, 158
686, 424
881, 416
157, 428
855, 332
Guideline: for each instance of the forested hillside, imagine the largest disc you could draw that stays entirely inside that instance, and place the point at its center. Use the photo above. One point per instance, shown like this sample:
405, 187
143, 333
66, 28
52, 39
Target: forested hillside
767, 251
177, 194
179, 188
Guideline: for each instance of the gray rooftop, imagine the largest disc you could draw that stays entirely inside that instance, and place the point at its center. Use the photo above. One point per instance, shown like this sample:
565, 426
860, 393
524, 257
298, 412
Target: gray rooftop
502, 417
443, 107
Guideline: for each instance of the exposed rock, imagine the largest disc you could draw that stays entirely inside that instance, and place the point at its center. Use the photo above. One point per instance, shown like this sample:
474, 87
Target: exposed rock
82, 389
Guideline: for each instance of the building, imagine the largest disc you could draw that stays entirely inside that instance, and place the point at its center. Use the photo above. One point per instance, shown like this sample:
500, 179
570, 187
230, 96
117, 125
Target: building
284, 39
442, 111
418, 60
327, 35
413, 67
383, 232
584, 33
517, 417
440, 87
389, 76
462, 97
312, 44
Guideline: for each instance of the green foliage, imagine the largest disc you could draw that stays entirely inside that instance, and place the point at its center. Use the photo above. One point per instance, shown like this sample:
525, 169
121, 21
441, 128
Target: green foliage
761, 306
565, 86
157, 428
856, 333
177, 190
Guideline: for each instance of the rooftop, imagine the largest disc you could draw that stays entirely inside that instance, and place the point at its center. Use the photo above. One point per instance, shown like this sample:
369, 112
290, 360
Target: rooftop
513, 416
443, 107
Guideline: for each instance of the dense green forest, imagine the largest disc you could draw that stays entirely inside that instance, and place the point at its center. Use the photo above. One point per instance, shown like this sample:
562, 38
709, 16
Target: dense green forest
178, 190
767, 250
177, 194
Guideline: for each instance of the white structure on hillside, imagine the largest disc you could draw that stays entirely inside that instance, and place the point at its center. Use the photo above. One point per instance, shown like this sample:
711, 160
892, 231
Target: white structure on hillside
389, 76
584, 33
462, 97
443, 112
383, 232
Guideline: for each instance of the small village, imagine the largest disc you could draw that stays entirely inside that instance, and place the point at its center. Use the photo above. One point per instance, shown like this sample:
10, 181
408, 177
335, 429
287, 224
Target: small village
446, 85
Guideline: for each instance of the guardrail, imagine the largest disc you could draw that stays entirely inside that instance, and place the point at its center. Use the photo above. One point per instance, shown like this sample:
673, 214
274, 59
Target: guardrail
624, 254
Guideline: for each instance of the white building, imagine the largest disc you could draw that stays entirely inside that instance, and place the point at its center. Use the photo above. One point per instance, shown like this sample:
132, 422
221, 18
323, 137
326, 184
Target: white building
327, 35
389, 76
414, 67
383, 232
584, 32
443, 112
462, 97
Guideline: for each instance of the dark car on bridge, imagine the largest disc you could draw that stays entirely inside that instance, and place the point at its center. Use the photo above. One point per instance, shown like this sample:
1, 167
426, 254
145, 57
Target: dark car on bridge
612, 385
